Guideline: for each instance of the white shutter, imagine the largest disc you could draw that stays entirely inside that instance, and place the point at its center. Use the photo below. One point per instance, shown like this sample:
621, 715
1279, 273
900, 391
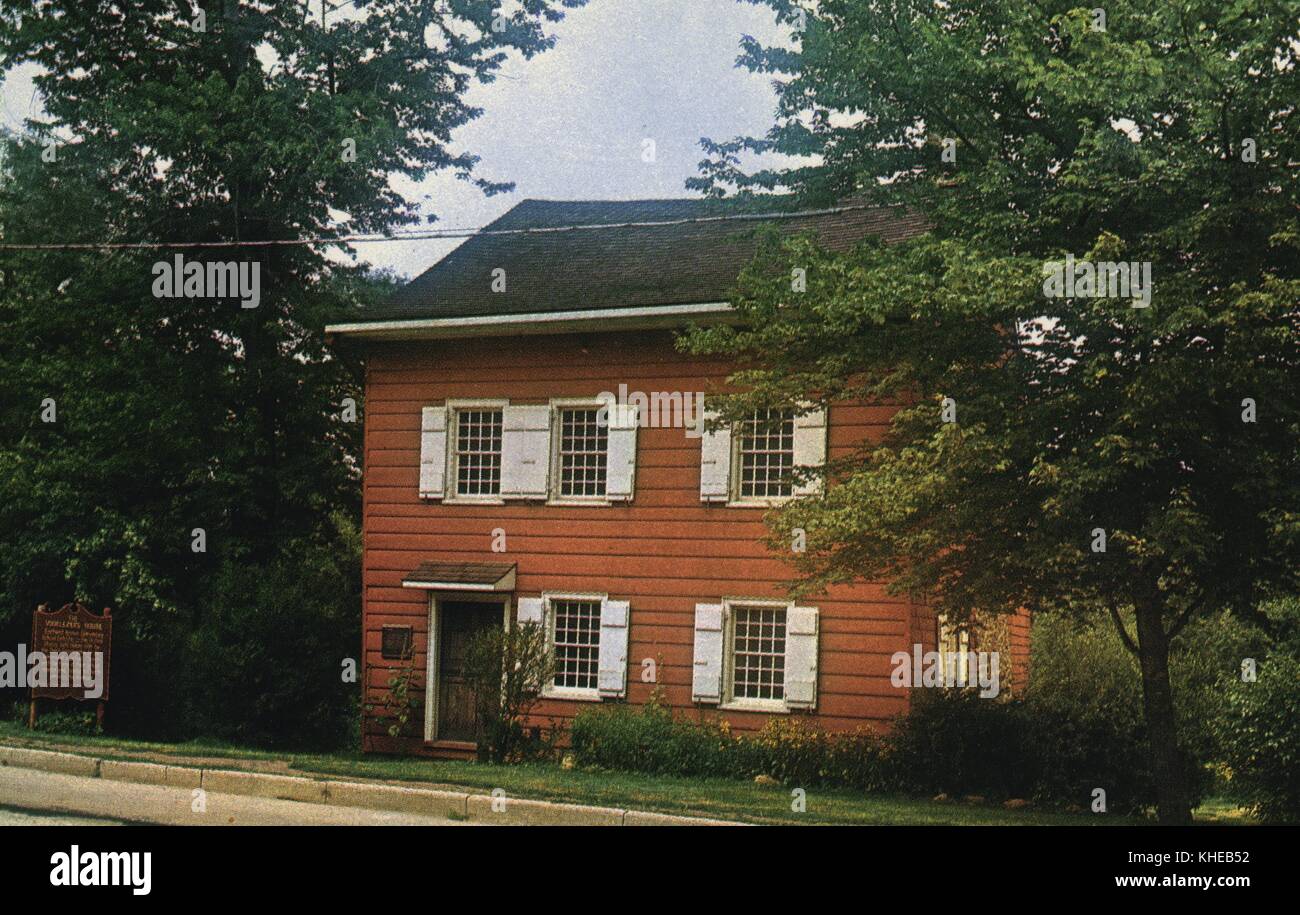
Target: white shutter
612, 661
810, 447
801, 657
528, 610
715, 462
525, 451
433, 452
706, 684
620, 465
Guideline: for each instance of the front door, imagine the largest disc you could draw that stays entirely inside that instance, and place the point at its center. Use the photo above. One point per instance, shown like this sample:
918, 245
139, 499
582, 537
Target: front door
459, 622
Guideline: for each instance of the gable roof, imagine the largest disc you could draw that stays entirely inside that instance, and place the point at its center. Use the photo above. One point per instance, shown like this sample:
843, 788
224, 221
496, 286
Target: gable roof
619, 265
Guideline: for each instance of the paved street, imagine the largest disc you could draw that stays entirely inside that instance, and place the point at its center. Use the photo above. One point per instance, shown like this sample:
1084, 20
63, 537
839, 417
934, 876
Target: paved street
11, 817
32, 797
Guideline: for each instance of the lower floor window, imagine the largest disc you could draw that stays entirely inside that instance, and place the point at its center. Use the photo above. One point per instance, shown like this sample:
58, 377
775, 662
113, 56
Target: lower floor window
577, 643
758, 652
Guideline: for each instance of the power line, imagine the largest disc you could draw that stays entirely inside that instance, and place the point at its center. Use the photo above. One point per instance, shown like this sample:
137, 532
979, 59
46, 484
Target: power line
422, 235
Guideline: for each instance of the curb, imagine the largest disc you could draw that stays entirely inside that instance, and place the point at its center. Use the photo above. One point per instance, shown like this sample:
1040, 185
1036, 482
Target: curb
496, 808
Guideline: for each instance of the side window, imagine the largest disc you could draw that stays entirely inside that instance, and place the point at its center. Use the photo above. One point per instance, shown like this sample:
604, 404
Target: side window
954, 644
477, 452
757, 460
765, 456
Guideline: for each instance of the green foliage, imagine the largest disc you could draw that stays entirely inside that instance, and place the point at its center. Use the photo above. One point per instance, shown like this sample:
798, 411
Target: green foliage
1123, 144
652, 739
1262, 735
951, 742
183, 413
507, 666
1259, 728
61, 718
402, 699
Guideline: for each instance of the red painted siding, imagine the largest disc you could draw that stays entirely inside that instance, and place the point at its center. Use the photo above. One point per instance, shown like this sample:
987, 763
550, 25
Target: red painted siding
663, 552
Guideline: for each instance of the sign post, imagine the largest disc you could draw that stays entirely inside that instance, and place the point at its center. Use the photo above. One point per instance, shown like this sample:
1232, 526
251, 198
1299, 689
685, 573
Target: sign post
72, 630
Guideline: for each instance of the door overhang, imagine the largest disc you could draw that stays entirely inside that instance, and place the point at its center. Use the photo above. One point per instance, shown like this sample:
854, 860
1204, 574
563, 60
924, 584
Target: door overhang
435, 575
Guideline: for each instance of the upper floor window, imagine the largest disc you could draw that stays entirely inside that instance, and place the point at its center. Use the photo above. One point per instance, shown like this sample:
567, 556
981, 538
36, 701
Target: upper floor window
577, 452
765, 455
582, 453
478, 452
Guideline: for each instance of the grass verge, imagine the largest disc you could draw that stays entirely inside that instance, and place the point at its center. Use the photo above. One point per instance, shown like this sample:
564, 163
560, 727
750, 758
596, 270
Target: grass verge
714, 798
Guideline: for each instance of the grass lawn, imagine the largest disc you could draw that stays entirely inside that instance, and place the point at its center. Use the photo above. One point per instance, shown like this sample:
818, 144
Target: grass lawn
717, 798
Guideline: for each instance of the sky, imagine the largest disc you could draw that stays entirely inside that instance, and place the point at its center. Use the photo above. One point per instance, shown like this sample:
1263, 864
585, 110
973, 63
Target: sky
571, 123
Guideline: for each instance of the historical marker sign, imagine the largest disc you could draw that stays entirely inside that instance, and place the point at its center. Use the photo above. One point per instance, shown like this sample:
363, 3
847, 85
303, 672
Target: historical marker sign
72, 629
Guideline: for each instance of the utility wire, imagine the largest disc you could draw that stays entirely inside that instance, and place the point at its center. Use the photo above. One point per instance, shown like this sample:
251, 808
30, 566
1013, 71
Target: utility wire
420, 235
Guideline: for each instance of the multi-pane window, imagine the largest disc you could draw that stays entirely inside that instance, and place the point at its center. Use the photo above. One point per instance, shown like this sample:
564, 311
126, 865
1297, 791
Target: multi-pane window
478, 452
758, 652
577, 643
583, 453
766, 454
954, 645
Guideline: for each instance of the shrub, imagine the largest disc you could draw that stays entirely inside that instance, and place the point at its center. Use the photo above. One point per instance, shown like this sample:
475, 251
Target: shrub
262, 666
954, 742
794, 753
1260, 734
650, 739
507, 667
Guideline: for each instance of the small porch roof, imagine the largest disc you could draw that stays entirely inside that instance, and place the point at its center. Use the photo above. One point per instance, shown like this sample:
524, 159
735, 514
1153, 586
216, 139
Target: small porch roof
435, 575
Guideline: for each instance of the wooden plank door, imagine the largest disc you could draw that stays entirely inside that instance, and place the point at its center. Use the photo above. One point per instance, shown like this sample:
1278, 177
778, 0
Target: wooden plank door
460, 621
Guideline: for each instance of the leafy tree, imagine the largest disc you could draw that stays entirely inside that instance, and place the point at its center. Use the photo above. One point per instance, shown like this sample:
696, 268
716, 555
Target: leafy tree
215, 122
1166, 135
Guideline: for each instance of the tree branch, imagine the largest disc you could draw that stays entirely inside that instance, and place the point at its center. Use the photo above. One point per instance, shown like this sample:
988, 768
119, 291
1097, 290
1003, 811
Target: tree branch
1186, 616
1123, 633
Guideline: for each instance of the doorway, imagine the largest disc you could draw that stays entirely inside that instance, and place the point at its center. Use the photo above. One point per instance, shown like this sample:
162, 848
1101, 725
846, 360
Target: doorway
457, 622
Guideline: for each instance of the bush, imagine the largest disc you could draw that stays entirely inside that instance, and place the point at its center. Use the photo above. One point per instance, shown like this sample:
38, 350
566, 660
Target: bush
507, 668
951, 742
263, 664
650, 739
954, 742
1261, 737
1085, 680
1078, 727
794, 753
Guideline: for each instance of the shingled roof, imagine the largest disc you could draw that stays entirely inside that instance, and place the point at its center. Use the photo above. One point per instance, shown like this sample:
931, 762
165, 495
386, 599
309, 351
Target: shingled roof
619, 265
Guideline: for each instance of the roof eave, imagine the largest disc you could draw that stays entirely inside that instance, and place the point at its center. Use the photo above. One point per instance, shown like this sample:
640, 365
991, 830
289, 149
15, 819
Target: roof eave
649, 317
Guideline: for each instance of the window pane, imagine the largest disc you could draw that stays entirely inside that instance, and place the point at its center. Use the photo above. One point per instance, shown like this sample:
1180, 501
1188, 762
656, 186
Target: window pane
577, 643
478, 452
584, 451
758, 652
767, 454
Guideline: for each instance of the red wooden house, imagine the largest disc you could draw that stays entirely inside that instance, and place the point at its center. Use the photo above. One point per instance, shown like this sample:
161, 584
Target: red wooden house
501, 483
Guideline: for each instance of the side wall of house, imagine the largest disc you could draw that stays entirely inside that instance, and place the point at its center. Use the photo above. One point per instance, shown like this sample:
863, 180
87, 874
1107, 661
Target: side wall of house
663, 552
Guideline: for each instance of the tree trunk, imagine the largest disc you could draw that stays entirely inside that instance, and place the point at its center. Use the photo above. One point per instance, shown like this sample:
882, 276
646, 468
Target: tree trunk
1173, 800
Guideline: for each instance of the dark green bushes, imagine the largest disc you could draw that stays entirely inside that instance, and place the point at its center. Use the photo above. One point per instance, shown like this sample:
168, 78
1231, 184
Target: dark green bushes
1261, 735
950, 742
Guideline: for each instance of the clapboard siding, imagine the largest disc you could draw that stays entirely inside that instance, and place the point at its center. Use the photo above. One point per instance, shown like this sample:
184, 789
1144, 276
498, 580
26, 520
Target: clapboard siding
663, 552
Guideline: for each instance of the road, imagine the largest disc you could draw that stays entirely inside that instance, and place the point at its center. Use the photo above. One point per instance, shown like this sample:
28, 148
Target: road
32, 797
